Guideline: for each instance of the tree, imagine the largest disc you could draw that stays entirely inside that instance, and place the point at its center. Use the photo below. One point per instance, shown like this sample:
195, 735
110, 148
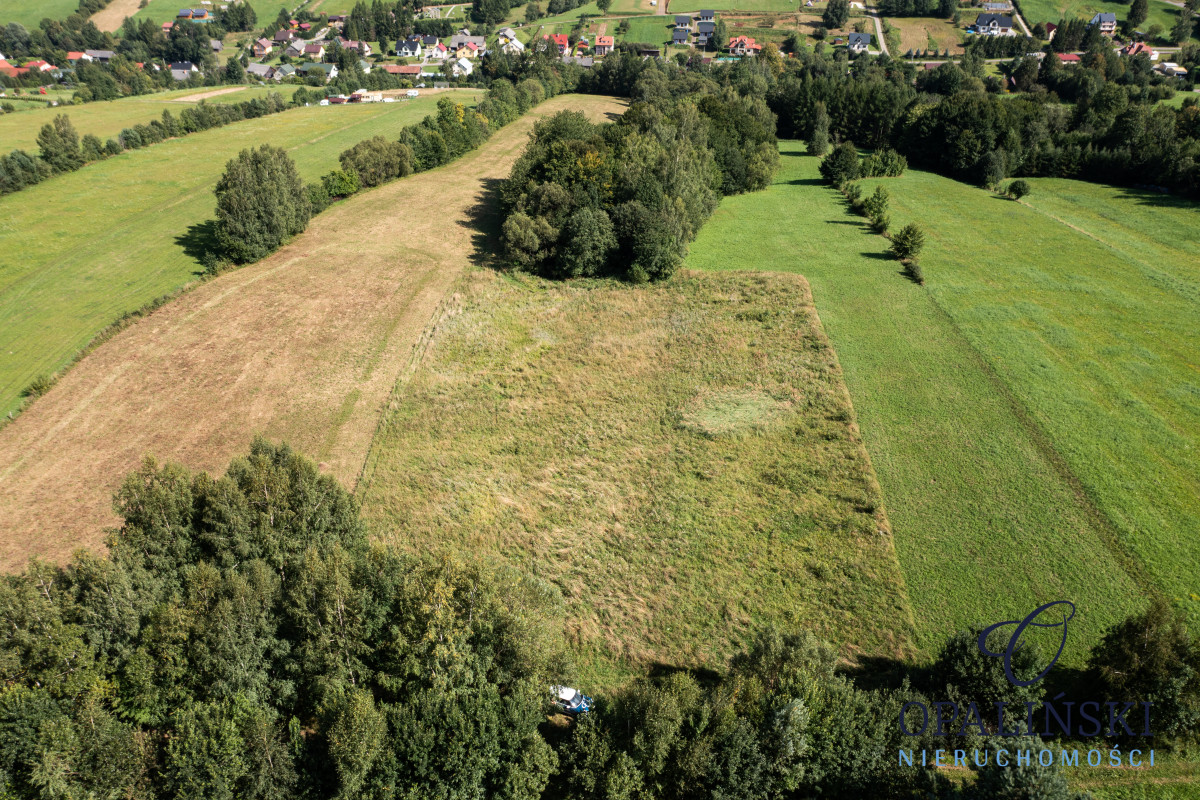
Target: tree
603, 5
59, 145
906, 246
770, 56
1018, 189
818, 140
1138, 13
1182, 31
533, 12
234, 72
588, 240
960, 663
1022, 781
1152, 657
837, 14
875, 207
378, 160
261, 202
841, 165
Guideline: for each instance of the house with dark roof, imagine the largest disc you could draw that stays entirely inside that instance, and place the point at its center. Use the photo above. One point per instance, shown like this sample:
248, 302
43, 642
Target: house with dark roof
314, 51
330, 71
284, 36
262, 47
1106, 21
858, 42
409, 48
216, 44
103, 56
182, 70
679, 36
708, 15
683, 21
994, 24
704, 32
263, 71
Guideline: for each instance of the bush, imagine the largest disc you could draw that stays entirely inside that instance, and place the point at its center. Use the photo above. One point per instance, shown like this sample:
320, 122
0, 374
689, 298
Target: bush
341, 183
977, 677
261, 202
907, 243
1151, 657
60, 145
841, 165
885, 163
377, 161
1018, 189
38, 386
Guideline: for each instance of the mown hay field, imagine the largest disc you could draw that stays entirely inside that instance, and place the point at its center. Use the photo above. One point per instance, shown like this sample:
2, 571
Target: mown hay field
108, 118
304, 346
985, 517
79, 250
681, 460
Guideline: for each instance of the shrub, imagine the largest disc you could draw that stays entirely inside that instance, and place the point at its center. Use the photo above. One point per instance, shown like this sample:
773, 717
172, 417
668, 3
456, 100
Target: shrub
885, 163
112, 147
913, 271
38, 386
853, 193
841, 165
377, 161
60, 145
1151, 657
907, 243
341, 183
978, 677
261, 202
1018, 189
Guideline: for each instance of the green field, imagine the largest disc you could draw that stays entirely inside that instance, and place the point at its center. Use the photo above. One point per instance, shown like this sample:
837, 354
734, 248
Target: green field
985, 524
108, 118
79, 250
1036, 11
677, 501
730, 6
166, 10
30, 12
652, 30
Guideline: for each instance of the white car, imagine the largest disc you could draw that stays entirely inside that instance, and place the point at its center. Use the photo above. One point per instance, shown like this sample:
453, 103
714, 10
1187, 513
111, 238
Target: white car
570, 701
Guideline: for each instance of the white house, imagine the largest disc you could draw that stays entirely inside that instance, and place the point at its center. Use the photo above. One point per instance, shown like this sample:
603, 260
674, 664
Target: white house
409, 48
462, 68
859, 42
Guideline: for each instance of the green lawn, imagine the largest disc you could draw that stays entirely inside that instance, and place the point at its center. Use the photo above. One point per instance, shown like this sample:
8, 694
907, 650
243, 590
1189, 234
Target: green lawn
729, 6
652, 30
985, 525
1036, 11
30, 12
166, 10
79, 250
107, 118
680, 460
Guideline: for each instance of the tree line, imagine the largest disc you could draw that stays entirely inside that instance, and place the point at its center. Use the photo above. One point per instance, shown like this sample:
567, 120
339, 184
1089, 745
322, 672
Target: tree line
244, 638
262, 202
61, 149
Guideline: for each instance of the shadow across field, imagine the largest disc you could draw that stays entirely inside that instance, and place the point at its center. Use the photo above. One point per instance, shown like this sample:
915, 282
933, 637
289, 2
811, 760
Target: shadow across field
199, 241
485, 219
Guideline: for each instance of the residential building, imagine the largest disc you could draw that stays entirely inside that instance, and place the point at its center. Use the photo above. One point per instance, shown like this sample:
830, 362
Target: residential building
704, 32
604, 45
216, 44
363, 48
1107, 22
858, 42
994, 24
284, 36
462, 68
76, 55
506, 35
683, 21
262, 47
459, 41
284, 72
512, 47
409, 48
438, 52
1137, 49
261, 71
679, 36
743, 45
708, 15
314, 51
559, 41
330, 70
103, 56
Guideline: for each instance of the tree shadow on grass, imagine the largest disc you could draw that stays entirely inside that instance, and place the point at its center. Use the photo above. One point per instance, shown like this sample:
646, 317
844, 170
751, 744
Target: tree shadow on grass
198, 241
702, 675
1160, 198
887, 672
877, 256
807, 182
484, 219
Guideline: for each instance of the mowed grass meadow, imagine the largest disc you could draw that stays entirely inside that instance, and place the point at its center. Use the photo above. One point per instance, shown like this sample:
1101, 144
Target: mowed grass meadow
1036, 11
80, 250
1086, 302
985, 523
680, 460
30, 12
108, 118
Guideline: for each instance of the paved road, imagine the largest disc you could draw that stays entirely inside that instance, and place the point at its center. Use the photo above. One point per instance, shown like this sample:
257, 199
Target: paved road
874, 15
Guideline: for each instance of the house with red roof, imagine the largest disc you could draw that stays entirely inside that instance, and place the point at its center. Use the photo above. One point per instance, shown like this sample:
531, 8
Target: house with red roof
1140, 48
40, 65
604, 46
76, 55
743, 45
559, 40
1068, 58
262, 47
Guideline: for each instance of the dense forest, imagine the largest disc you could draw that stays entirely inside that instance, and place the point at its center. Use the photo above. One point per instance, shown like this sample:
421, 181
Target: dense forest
245, 639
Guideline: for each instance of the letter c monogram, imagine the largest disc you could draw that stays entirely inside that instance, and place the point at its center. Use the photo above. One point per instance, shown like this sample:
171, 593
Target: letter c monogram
1014, 642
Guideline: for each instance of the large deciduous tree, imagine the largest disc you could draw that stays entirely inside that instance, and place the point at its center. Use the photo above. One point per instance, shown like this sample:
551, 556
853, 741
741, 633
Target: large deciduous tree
261, 202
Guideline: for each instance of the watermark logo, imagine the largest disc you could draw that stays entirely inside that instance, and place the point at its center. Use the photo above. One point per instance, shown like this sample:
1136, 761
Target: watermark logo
1034, 619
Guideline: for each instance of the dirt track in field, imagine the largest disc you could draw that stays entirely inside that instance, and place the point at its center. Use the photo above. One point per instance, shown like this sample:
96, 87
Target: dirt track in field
112, 17
304, 346
196, 98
